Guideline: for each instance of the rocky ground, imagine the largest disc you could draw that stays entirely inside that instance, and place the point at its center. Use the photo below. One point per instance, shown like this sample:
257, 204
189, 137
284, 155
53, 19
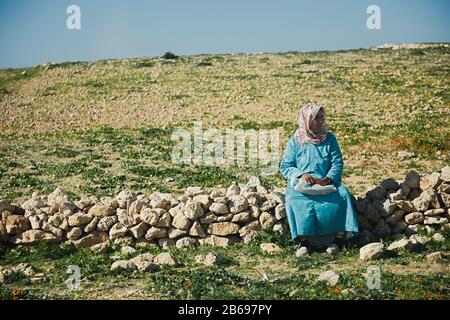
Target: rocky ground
74, 135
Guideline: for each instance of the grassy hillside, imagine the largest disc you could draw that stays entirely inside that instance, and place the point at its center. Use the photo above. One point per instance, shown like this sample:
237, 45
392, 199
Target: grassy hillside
102, 126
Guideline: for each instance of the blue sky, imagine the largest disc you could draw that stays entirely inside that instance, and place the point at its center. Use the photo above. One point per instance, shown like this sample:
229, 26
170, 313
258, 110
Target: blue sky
34, 31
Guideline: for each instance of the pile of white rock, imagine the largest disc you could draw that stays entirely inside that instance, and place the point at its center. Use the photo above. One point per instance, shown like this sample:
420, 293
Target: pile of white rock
147, 262
396, 208
222, 217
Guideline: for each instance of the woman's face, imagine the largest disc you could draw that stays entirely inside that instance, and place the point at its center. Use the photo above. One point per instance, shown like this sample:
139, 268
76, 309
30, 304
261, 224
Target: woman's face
318, 122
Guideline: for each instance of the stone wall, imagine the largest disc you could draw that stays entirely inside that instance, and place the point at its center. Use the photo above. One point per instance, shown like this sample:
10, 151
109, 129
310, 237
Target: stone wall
396, 208
222, 217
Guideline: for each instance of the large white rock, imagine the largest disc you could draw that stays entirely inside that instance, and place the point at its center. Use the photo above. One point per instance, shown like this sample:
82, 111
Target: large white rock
74, 233
101, 247
136, 206
126, 218
267, 205
436, 256
204, 199
237, 203
276, 196
193, 191
429, 196
49, 228
193, 210
79, 219
435, 220
412, 179
445, 174
241, 217
267, 220
117, 231
419, 239
233, 189
219, 208
57, 197
437, 237
250, 231
162, 200
150, 216
154, 233
16, 224
101, 210
32, 237
281, 227
165, 220
254, 181
218, 192
332, 249
57, 220
430, 181
92, 239
33, 204
123, 265
145, 262
165, 258
36, 222
300, 252
253, 198
91, 225
196, 230
434, 212
186, 242
106, 223
371, 251
270, 248
208, 218
176, 233
209, 259
214, 240
139, 230
414, 217
280, 211
126, 195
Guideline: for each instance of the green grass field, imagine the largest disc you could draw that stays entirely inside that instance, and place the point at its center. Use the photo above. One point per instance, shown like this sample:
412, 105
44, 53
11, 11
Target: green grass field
406, 275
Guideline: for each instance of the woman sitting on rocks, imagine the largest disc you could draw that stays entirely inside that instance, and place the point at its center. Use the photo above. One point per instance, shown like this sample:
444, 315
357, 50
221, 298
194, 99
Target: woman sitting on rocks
312, 154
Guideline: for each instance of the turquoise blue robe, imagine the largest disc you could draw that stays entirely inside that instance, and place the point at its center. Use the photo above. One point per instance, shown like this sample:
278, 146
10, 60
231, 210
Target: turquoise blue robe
317, 215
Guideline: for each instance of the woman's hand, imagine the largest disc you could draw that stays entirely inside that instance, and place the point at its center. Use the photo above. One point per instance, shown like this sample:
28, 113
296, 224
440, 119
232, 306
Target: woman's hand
323, 182
308, 178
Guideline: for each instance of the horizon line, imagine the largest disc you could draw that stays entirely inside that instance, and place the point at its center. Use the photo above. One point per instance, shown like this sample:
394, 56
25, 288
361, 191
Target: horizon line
217, 54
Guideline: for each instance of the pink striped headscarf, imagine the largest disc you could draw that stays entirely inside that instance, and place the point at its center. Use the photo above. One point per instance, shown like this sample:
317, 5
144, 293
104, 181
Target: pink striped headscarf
304, 134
